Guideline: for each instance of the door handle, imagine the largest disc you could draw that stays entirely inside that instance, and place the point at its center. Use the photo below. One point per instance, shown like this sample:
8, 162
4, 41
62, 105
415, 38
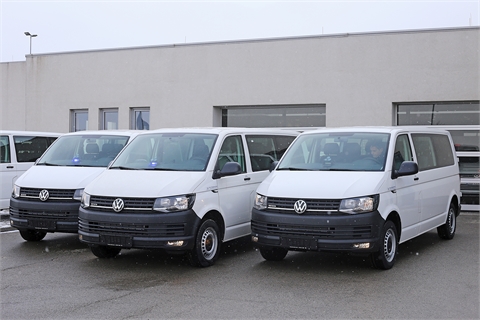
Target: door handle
415, 179
247, 179
10, 167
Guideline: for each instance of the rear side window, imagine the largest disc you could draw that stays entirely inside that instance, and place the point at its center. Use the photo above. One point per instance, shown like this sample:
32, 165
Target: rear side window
266, 149
432, 151
4, 149
29, 149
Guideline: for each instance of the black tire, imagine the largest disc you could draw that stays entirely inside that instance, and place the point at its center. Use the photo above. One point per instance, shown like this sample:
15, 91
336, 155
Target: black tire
385, 257
104, 252
273, 253
447, 230
207, 245
32, 235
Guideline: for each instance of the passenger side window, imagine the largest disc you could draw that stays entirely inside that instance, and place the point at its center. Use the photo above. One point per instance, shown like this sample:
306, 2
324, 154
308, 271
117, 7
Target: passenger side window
402, 152
432, 151
264, 150
4, 150
29, 149
232, 151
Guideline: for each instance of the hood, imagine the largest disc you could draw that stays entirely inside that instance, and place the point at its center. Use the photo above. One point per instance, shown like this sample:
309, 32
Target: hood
321, 184
145, 183
53, 177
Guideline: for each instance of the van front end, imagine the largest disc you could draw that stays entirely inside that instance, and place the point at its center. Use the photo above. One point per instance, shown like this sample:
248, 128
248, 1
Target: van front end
112, 223
36, 211
314, 225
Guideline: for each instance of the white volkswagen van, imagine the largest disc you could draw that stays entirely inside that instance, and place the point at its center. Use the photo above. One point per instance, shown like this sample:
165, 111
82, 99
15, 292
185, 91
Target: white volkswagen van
182, 190
358, 190
46, 198
18, 152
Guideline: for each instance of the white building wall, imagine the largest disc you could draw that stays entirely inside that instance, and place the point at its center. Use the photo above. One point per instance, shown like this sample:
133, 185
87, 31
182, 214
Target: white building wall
359, 77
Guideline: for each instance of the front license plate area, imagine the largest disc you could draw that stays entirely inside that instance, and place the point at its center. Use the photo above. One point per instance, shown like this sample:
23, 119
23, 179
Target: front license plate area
42, 224
116, 241
298, 243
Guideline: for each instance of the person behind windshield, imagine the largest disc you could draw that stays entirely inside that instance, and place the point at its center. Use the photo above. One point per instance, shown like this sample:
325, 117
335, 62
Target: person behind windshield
377, 151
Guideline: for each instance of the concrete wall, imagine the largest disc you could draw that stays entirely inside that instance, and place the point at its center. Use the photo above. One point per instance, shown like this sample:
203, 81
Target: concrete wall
359, 77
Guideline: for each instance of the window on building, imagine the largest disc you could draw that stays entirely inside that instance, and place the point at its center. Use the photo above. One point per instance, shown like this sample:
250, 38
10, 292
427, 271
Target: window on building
298, 116
140, 118
442, 113
109, 119
79, 120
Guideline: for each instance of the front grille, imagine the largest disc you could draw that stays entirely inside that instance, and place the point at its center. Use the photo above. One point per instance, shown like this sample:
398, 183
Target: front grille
32, 194
319, 232
98, 203
470, 187
66, 216
314, 206
133, 229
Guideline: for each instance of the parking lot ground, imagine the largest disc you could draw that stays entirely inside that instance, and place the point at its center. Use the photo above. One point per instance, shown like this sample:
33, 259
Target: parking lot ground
59, 278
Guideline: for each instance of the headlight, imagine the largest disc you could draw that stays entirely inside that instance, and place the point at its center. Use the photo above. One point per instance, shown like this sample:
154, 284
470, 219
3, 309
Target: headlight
85, 200
176, 203
78, 194
260, 202
16, 191
359, 205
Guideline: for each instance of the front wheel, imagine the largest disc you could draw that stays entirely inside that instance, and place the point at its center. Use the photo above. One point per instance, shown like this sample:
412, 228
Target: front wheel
385, 257
447, 230
207, 245
273, 253
32, 235
105, 252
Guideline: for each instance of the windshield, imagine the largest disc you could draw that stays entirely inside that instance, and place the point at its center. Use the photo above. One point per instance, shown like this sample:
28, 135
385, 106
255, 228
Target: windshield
167, 151
83, 150
348, 151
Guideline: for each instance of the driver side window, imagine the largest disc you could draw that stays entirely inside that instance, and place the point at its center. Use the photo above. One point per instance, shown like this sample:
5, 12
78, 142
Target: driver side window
402, 152
232, 151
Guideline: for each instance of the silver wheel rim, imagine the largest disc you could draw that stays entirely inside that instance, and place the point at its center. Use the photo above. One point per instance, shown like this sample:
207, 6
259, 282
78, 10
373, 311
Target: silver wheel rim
451, 221
389, 245
209, 243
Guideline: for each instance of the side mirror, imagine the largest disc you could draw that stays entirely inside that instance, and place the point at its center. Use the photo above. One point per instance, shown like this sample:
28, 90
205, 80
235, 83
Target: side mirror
407, 168
273, 165
229, 169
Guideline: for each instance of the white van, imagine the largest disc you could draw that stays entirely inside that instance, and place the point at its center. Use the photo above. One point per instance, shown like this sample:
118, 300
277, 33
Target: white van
18, 152
46, 198
358, 190
182, 190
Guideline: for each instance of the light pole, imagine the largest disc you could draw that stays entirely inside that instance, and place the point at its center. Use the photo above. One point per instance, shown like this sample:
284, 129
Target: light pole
28, 34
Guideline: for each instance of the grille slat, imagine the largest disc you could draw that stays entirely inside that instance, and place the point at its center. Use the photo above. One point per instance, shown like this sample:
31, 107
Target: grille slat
320, 232
133, 229
32, 194
66, 216
314, 206
99, 203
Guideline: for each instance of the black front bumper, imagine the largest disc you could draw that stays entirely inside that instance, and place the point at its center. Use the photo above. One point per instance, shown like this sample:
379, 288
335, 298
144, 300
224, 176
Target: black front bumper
139, 230
46, 216
347, 233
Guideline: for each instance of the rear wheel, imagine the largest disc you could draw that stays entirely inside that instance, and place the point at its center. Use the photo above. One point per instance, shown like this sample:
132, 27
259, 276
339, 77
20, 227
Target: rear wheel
32, 235
385, 257
105, 252
447, 230
207, 245
273, 253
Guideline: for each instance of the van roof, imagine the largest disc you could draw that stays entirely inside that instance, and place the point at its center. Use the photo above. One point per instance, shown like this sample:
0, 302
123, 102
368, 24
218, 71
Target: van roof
30, 133
380, 129
224, 130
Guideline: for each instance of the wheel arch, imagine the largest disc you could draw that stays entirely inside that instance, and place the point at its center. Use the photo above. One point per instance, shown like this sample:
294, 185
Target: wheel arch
217, 217
395, 218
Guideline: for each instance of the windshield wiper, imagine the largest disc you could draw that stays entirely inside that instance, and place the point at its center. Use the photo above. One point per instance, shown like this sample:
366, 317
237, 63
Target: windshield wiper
124, 168
296, 169
161, 169
48, 164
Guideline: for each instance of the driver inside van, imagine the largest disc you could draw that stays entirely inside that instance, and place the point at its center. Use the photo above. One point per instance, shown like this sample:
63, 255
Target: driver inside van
377, 151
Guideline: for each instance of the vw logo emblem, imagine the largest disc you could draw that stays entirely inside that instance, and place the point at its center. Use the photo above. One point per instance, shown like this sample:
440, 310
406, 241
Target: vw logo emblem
117, 205
43, 195
300, 206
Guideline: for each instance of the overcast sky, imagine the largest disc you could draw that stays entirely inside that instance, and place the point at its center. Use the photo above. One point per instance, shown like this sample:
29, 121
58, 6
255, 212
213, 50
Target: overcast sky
64, 26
